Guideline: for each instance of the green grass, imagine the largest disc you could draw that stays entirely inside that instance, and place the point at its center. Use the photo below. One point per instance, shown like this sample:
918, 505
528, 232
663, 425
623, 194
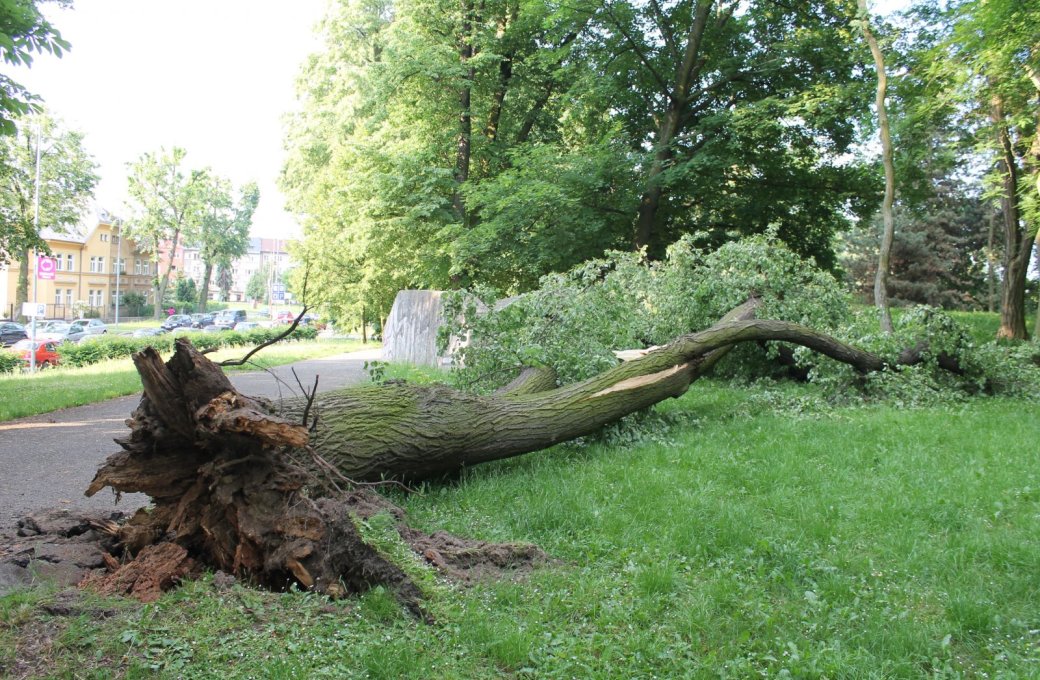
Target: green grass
859, 543
25, 395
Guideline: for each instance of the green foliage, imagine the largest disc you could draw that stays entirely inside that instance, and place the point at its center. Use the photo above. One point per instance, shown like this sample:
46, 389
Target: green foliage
67, 180
9, 361
185, 290
24, 32
167, 203
223, 230
258, 286
133, 304
445, 147
575, 321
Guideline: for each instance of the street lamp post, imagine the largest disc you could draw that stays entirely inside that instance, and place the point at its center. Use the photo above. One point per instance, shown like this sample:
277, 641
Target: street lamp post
36, 255
119, 269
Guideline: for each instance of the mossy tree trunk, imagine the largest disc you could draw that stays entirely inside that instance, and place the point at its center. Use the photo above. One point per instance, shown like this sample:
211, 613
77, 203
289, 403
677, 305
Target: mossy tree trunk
229, 475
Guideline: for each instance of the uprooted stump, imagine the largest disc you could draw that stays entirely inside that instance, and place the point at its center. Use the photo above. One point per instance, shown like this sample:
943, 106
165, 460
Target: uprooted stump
230, 493
232, 478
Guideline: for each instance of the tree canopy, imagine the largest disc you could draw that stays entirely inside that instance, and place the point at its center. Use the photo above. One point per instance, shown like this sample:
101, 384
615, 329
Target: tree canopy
444, 144
67, 179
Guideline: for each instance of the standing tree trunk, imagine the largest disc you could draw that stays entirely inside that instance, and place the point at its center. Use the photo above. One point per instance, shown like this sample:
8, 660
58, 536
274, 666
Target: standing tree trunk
678, 96
885, 254
22, 290
163, 282
465, 131
207, 273
1017, 242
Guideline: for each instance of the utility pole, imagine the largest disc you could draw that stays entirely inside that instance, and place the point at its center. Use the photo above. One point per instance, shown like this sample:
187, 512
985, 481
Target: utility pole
119, 269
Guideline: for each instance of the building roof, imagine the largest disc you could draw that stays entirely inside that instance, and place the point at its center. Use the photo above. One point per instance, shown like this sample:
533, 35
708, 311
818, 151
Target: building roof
82, 231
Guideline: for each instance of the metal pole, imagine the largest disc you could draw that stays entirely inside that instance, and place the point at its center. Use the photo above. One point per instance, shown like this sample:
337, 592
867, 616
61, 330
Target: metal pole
36, 256
119, 268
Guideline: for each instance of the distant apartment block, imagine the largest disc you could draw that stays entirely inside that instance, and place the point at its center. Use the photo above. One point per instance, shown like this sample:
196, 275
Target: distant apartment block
262, 252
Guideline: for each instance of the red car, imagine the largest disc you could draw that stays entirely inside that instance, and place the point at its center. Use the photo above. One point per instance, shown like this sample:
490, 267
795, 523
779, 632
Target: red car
46, 352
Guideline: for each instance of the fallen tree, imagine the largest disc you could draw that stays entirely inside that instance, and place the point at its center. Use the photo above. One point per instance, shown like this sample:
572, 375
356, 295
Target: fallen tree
234, 480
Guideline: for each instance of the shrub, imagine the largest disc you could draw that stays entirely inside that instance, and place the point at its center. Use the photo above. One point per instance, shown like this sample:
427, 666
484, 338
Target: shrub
116, 347
9, 362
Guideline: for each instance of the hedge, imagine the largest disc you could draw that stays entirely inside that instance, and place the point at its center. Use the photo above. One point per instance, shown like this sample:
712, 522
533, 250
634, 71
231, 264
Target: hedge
118, 347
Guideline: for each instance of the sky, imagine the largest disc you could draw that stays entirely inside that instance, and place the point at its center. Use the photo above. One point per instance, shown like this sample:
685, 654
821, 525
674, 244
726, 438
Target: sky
216, 77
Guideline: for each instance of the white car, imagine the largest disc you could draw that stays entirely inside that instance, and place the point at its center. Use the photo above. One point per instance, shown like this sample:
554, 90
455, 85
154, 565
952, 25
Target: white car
91, 326
243, 326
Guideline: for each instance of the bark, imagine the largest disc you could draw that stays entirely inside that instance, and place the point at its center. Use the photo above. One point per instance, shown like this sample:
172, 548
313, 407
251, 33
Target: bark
1017, 243
465, 131
22, 289
671, 124
233, 480
207, 274
163, 282
885, 254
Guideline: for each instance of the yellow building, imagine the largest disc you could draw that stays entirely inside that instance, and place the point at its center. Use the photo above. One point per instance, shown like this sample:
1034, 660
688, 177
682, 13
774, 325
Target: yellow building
85, 279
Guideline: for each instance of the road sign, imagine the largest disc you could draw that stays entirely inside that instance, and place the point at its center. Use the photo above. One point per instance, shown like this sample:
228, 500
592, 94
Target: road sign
278, 292
34, 309
45, 268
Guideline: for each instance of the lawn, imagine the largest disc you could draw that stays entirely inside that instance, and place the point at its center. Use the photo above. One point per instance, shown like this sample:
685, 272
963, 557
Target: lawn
727, 540
52, 389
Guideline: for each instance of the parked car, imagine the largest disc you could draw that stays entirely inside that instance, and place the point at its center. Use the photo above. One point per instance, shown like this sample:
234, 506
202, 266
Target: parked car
149, 332
177, 321
91, 326
202, 319
11, 332
243, 326
45, 325
46, 352
284, 317
214, 328
229, 317
63, 332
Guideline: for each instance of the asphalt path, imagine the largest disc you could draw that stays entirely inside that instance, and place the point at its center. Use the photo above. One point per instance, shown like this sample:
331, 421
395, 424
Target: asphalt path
47, 461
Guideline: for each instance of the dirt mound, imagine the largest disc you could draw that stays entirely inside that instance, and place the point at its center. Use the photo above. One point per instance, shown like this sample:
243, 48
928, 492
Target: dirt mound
469, 560
82, 548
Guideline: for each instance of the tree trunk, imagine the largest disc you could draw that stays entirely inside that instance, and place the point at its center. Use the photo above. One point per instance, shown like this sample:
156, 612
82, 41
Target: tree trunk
207, 274
885, 254
671, 124
22, 290
233, 481
163, 282
1017, 244
465, 131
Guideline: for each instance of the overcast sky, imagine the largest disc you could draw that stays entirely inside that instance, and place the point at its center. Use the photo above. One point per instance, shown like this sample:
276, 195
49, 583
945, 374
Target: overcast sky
213, 76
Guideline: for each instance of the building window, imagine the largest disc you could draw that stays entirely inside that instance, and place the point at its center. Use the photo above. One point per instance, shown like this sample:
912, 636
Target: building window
97, 265
68, 296
137, 266
68, 263
57, 296
120, 265
104, 238
115, 239
114, 297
